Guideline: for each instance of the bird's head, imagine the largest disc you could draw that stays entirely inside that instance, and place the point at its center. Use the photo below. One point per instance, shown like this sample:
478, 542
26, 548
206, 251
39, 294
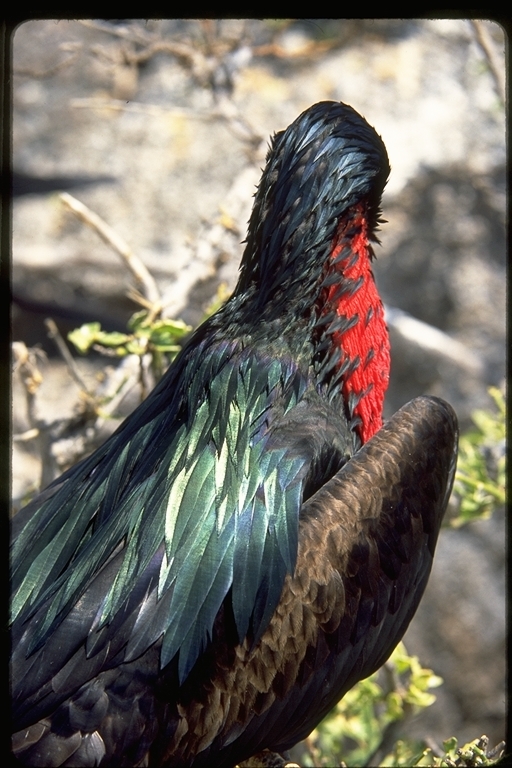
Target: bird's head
328, 160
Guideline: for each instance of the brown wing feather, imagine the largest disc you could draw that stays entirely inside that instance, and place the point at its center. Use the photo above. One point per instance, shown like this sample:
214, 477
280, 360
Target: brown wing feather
367, 540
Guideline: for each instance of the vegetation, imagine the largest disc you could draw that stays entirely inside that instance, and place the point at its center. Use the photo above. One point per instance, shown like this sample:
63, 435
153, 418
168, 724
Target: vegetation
158, 337
480, 479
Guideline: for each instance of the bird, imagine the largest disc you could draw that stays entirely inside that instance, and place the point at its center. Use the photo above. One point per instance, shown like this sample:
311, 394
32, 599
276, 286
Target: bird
253, 540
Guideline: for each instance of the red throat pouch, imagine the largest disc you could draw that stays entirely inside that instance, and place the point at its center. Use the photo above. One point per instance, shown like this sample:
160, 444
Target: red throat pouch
365, 343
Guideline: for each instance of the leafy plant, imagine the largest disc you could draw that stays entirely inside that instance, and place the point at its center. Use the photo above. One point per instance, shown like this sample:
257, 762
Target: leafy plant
480, 478
158, 337
473, 753
354, 729
361, 730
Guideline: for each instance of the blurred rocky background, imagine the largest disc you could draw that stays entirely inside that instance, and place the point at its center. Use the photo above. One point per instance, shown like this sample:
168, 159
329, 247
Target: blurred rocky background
163, 126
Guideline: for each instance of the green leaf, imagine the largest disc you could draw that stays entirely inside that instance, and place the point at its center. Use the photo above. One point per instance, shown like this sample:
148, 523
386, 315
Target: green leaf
164, 334
112, 339
138, 320
450, 744
90, 333
85, 336
136, 347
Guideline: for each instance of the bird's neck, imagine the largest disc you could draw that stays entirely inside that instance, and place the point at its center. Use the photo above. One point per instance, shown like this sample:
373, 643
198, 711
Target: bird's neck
358, 334
324, 311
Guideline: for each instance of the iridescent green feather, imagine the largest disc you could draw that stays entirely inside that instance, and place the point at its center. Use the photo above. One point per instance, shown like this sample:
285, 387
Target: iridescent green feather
214, 488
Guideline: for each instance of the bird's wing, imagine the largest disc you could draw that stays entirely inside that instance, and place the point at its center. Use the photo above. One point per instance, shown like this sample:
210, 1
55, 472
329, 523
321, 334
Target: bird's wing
366, 546
148, 535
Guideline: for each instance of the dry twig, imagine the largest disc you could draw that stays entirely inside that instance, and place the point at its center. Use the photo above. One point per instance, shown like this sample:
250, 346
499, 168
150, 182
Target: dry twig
54, 334
40, 74
488, 47
110, 236
432, 339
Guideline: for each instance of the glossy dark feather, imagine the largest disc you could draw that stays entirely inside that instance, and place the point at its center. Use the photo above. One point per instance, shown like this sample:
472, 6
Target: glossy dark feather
249, 543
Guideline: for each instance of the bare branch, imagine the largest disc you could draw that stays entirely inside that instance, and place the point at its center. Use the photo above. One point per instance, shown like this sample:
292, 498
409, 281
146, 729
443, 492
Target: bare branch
110, 236
488, 47
25, 364
54, 334
40, 74
433, 339
23, 437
